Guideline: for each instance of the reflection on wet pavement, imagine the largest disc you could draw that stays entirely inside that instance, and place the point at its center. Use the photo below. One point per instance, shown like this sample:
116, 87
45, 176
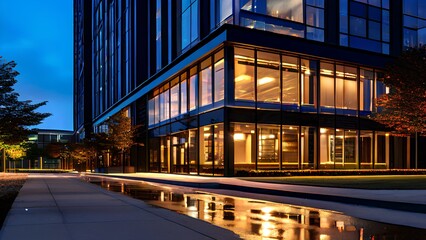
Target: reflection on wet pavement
257, 219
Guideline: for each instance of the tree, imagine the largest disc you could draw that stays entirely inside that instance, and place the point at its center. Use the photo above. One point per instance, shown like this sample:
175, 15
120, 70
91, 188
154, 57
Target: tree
15, 115
404, 108
121, 133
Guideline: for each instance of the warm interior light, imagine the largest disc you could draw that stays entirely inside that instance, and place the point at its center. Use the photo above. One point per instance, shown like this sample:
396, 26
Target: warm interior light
242, 78
323, 130
265, 80
239, 136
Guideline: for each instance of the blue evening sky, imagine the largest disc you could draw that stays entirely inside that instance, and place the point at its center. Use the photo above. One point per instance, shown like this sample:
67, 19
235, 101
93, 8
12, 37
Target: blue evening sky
38, 35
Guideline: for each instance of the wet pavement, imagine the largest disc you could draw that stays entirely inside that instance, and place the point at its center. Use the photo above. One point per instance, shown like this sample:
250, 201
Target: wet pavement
255, 218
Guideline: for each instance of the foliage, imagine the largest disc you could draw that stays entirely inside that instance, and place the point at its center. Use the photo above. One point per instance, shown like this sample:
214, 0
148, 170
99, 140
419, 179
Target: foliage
120, 131
16, 151
404, 108
15, 116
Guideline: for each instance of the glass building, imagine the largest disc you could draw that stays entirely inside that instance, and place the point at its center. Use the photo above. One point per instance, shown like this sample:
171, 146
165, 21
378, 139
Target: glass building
219, 86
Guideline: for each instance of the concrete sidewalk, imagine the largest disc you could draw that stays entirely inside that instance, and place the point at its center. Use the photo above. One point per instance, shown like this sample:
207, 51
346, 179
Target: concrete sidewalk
60, 206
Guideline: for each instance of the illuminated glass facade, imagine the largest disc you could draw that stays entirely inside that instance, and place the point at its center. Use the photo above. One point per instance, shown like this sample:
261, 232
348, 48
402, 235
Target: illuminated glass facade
220, 86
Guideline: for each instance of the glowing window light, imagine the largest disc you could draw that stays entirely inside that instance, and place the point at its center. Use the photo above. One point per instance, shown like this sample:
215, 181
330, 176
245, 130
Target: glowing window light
265, 80
239, 136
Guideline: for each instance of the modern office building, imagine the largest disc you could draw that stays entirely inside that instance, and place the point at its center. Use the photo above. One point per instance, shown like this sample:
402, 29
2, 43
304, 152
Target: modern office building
219, 86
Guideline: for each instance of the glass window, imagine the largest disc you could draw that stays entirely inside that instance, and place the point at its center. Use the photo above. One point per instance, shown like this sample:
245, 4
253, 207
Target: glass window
346, 87
327, 86
315, 17
193, 151
308, 147
374, 30
194, 20
285, 9
206, 149
189, 22
308, 84
326, 148
268, 148
268, 77
382, 146
157, 109
218, 164
183, 94
219, 77
206, 82
224, 9
186, 32
343, 16
174, 99
318, 3
151, 112
374, 13
193, 89
366, 90
211, 146
358, 9
244, 74
290, 81
350, 145
290, 146
164, 105
164, 154
366, 149
358, 26
244, 139
158, 34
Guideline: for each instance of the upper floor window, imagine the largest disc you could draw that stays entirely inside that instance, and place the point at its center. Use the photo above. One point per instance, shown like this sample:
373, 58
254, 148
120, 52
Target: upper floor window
364, 24
189, 22
290, 17
414, 23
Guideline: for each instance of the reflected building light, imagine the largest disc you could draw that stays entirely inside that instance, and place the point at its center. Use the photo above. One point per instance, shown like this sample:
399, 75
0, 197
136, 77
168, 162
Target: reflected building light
252, 131
387, 134
239, 136
323, 130
162, 196
265, 80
